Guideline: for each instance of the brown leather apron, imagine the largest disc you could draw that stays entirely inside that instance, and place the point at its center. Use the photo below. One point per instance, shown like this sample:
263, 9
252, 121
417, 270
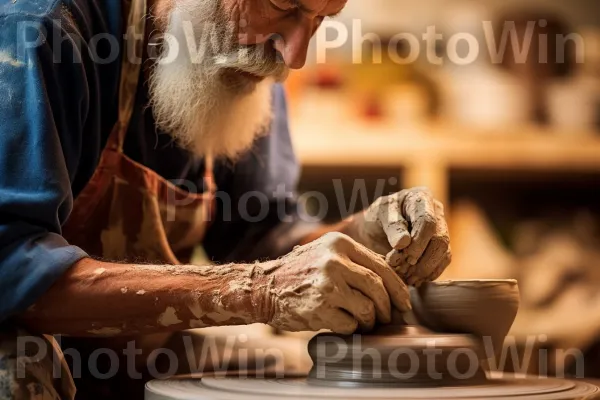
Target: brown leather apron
127, 212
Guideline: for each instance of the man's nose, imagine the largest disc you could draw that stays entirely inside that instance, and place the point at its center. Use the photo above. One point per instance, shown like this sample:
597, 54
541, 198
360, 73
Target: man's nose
293, 41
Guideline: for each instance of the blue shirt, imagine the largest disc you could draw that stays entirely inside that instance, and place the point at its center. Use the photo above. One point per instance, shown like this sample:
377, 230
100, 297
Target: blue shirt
57, 108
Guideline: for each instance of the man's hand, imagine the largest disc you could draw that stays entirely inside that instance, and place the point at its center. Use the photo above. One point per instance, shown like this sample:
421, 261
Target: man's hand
408, 227
332, 283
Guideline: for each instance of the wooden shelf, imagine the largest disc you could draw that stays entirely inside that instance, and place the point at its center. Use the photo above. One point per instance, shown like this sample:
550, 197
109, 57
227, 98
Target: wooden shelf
450, 147
425, 155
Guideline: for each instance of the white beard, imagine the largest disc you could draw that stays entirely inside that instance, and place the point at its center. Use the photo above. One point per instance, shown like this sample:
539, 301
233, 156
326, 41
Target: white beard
191, 101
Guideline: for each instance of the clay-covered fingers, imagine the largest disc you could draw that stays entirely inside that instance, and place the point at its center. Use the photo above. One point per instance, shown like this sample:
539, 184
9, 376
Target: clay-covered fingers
437, 255
369, 228
389, 213
370, 285
362, 309
332, 283
433, 263
345, 323
441, 266
419, 210
397, 260
397, 290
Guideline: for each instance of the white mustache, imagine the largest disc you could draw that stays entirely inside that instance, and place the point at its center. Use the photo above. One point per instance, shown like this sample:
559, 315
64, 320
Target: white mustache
257, 60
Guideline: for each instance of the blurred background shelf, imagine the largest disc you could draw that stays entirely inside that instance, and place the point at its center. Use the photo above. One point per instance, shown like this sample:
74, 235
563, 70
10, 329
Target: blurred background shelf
511, 146
426, 155
373, 145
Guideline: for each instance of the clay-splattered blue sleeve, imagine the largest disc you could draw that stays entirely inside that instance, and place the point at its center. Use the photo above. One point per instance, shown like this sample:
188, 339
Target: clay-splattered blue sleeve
35, 190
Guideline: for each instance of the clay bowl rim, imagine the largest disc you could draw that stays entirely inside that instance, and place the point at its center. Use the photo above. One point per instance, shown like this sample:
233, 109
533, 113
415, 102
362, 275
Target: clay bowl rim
446, 282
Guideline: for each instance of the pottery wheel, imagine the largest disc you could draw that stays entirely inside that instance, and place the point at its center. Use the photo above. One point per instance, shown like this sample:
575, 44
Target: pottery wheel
338, 382
263, 389
341, 378
395, 356
345, 367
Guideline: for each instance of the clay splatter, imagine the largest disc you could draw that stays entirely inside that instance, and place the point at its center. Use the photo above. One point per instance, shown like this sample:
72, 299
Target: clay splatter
169, 317
5, 58
105, 331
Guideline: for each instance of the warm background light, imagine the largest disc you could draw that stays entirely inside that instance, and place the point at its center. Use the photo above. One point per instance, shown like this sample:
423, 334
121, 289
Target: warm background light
512, 149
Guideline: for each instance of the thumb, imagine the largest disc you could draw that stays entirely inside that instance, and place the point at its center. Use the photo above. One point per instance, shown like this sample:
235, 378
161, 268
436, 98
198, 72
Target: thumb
395, 226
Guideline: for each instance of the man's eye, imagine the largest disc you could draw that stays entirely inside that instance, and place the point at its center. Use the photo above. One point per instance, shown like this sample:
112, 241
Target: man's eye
282, 10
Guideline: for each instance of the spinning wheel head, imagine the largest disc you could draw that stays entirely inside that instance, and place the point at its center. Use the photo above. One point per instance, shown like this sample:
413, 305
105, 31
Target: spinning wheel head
395, 356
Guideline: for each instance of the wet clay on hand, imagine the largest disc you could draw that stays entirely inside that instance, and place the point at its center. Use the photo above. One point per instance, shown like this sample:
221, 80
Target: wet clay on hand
410, 228
332, 283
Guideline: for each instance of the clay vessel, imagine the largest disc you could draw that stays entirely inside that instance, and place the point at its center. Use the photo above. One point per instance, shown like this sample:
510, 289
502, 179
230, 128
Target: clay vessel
484, 308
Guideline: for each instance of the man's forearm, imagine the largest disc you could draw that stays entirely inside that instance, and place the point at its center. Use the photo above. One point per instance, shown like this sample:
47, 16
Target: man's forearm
96, 298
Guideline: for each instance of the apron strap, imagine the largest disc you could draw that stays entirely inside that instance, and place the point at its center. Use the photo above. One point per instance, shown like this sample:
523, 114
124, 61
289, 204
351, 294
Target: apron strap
133, 46
130, 76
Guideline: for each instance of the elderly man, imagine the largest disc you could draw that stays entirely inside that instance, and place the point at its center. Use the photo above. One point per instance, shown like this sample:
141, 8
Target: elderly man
108, 182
